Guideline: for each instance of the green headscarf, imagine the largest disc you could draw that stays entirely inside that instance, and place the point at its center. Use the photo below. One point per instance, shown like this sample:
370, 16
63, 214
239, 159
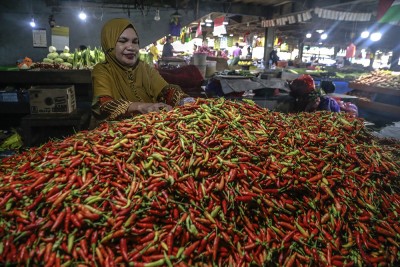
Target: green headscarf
139, 84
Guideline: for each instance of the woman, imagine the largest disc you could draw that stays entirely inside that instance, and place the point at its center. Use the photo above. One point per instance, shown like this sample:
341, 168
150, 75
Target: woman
124, 86
155, 52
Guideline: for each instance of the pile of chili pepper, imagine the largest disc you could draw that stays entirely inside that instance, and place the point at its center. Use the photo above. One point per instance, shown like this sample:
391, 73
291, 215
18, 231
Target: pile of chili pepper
214, 183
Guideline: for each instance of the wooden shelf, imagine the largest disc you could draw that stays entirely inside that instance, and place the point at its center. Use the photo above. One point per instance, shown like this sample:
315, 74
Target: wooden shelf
375, 89
46, 77
17, 114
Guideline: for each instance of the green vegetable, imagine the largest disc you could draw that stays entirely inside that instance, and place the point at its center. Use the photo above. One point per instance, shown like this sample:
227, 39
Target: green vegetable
48, 60
65, 55
52, 49
53, 55
59, 60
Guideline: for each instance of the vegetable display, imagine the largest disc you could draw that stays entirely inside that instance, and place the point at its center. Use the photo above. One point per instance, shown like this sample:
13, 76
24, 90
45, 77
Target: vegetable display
214, 183
84, 59
380, 78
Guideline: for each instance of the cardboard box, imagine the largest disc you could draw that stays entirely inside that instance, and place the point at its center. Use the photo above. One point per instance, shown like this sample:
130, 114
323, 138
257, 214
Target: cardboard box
52, 99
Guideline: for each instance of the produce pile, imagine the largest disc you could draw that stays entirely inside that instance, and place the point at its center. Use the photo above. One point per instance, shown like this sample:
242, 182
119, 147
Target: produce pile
244, 62
215, 182
65, 60
380, 78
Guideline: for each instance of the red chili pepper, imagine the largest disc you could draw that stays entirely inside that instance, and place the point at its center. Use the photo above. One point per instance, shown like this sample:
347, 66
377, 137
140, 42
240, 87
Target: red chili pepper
58, 220
360, 248
124, 249
190, 249
215, 247
384, 232
75, 221
5, 199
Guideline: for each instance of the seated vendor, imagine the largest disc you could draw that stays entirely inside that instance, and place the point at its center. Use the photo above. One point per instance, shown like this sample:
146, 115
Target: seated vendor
168, 49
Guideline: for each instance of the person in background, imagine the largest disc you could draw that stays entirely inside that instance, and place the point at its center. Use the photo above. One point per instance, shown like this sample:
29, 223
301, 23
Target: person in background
168, 49
223, 53
123, 86
249, 53
305, 97
155, 52
273, 57
236, 53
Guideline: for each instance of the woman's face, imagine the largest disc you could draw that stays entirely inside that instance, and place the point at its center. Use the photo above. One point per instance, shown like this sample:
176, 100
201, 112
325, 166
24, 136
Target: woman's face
127, 48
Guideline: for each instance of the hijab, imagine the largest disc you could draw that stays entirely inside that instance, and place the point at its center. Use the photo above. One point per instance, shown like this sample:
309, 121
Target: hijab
140, 83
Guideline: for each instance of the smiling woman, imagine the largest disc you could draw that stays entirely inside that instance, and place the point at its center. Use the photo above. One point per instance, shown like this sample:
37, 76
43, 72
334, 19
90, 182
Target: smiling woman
123, 85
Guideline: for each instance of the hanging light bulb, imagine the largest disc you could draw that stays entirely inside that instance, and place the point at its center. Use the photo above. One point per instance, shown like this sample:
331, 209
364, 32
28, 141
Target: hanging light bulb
324, 36
157, 16
308, 35
32, 23
82, 15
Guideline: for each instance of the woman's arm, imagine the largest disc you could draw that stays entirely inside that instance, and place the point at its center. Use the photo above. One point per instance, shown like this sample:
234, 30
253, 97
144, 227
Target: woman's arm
112, 109
174, 96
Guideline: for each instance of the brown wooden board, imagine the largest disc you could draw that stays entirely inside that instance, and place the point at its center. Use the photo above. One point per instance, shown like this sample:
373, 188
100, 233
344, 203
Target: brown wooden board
374, 89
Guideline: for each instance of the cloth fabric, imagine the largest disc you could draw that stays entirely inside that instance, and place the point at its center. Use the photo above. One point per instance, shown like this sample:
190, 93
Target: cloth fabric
302, 85
242, 85
167, 50
114, 81
142, 84
186, 76
350, 51
307, 97
112, 109
329, 104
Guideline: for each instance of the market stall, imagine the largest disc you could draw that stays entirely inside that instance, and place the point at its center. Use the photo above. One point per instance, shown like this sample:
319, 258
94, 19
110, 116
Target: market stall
217, 182
378, 93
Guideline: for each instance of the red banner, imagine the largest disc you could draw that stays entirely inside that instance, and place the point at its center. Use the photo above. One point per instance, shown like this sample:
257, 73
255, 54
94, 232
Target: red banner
383, 6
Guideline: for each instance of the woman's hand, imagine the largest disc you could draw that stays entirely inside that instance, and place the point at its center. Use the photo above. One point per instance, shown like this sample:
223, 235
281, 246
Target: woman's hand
147, 107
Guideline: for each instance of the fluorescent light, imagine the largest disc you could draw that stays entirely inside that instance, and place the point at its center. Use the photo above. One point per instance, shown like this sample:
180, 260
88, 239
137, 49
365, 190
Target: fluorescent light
320, 31
208, 19
376, 36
